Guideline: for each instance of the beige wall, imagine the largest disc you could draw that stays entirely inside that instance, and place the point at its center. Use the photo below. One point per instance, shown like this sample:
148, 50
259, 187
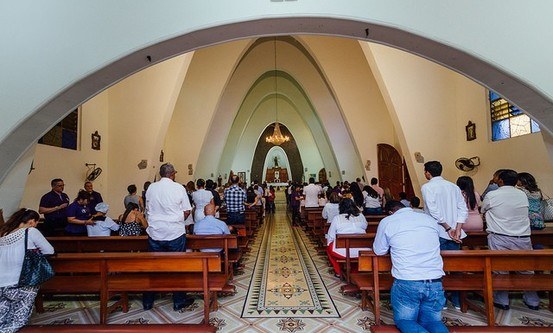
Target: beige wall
378, 94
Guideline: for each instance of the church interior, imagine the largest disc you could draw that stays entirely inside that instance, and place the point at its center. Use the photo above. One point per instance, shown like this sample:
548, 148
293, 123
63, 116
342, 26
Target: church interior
204, 95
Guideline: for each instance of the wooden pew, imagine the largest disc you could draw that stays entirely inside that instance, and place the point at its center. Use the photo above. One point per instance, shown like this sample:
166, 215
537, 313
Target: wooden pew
349, 241
120, 328
375, 218
80, 244
374, 275
137, 272
225, 242
479, 239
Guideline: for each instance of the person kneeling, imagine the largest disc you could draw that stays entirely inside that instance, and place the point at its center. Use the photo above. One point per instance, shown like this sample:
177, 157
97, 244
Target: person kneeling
417, 294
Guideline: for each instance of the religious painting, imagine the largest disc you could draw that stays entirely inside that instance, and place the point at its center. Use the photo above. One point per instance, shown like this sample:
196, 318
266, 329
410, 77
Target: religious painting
242, 177
96, 140
471, 131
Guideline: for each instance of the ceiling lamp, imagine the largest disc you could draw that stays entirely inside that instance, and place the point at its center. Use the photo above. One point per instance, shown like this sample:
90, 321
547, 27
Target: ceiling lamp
277, 138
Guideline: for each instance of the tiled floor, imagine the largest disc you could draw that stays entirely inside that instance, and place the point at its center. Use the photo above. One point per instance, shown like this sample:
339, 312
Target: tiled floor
229, 317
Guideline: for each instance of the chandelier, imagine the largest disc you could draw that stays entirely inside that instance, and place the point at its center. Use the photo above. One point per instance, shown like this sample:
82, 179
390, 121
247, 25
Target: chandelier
277, 138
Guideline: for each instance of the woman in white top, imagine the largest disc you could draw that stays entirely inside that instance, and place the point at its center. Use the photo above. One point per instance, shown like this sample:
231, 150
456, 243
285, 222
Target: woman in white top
331, 209
201, 198
349, 221
372, 201
16, 303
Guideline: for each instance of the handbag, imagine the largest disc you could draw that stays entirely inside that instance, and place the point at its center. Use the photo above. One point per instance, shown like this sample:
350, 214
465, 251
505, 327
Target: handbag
547, 209
36, 269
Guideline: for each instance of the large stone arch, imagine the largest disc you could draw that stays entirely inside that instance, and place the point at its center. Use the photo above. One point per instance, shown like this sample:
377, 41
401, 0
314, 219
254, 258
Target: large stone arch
24, 132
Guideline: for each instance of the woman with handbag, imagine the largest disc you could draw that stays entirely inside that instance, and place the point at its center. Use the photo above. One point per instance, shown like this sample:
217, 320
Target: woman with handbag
16, 299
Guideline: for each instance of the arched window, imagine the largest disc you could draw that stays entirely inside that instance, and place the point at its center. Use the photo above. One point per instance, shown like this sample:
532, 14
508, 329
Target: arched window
65, 133
508, 120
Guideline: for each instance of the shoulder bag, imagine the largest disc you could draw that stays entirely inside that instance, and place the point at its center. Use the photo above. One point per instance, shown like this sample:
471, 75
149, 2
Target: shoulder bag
547, 208
36, 269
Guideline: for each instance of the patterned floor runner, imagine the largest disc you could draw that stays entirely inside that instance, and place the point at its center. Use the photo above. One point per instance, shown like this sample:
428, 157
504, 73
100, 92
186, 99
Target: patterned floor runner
285, 281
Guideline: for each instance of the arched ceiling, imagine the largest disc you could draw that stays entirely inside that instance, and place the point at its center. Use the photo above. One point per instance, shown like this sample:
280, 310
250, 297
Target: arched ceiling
307, 106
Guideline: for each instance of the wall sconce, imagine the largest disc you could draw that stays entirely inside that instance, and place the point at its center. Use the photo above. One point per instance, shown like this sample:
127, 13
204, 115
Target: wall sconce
368, 165
329, 174
419, 158
190, 170
143, 164
343, 172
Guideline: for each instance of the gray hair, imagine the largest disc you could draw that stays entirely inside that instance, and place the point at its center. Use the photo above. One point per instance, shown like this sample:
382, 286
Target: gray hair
166, 170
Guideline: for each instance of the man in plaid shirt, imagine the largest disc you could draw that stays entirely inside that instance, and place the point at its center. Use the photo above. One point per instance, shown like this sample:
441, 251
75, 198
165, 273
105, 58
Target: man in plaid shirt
235, 197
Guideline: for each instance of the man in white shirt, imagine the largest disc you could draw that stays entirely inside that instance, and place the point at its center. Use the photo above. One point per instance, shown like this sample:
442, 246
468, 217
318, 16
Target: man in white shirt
168, 206
508, 228
417, 294
311, 194
444, 201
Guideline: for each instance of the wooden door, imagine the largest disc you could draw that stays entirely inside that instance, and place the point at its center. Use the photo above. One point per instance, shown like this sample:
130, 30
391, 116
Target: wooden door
392, 172
322, 176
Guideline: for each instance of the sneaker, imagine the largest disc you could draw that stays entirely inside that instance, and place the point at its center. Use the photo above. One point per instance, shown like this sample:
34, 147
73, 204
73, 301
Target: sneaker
501, 306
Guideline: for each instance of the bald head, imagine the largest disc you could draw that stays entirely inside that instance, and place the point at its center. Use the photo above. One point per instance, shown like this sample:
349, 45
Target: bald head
209, 210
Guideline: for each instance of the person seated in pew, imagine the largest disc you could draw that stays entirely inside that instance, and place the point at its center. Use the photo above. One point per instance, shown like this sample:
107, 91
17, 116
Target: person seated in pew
372, 201
132, 221
104, 225
349, 221
415, 204
322, 199
210, 225
417, 295
331, 209
403, 199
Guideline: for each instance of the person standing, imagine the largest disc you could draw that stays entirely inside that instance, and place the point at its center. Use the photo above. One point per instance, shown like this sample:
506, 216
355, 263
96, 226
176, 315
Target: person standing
444, 201
508, 228
201, 197
311, 194
53, 205
417, 294
95, 197
527, 183
235, 198
78, 215
16, 302
167, 206
474, 220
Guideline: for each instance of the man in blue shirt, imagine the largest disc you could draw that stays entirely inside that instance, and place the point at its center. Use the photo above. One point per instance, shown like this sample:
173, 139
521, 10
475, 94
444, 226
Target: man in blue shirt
235, 197
210, 225
417, 294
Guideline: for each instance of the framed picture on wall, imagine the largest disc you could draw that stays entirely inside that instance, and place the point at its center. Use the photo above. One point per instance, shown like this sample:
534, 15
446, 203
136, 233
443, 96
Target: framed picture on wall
242, 177
96, 138
471, 131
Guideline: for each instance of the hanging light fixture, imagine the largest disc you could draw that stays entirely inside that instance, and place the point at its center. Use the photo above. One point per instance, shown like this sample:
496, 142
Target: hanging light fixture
277, 138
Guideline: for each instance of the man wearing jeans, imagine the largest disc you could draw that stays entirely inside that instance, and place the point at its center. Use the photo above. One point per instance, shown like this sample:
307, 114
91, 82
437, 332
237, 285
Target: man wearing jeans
235, 197
168, 206
444, 201
417, 294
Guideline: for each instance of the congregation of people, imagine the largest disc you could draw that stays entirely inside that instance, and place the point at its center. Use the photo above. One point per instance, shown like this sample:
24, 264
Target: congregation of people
511, 206
508, 209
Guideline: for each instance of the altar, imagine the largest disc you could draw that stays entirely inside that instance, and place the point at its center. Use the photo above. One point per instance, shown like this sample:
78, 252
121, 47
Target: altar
276, 175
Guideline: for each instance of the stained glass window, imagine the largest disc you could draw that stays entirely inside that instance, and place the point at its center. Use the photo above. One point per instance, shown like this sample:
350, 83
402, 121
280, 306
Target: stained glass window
509, 121
65, 133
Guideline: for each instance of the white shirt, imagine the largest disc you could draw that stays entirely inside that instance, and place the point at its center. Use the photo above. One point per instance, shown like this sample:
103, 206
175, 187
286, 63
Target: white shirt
444, 201
201, 198
414, 245
166, 202
311, 193
371, 202
330, 210
506, 211
102, 228
12, 251
341, 225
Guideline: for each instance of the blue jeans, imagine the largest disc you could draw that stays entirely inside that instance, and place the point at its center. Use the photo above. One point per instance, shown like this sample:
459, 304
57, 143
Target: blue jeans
417, 306
447, 244
175, 245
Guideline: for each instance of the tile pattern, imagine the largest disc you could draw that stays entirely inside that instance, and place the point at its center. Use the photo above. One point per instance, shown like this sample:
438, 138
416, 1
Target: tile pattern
85, 309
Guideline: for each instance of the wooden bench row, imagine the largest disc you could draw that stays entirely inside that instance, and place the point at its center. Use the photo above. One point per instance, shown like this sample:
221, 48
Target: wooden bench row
108, 274
467, 270
120, 328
